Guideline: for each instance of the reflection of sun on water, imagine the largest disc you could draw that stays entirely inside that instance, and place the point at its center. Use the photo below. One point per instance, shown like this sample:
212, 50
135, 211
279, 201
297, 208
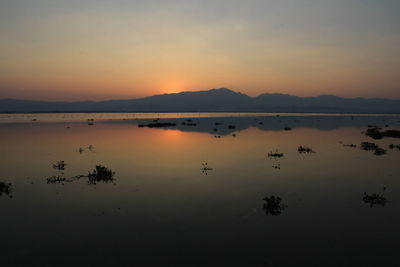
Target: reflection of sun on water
172, 135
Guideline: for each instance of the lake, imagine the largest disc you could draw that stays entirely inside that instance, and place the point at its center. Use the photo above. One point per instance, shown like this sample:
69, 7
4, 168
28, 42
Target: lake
218, 189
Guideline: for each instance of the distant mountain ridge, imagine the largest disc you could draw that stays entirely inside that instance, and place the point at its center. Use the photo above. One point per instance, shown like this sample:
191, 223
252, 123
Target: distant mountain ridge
214, 100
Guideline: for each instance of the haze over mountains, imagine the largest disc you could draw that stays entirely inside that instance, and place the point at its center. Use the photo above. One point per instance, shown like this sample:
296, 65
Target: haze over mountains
214, 100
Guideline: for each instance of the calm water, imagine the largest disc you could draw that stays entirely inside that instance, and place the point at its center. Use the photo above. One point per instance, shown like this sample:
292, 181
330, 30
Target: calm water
164, 209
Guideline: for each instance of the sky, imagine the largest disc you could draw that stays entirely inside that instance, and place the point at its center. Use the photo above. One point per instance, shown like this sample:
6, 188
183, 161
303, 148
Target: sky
117, 49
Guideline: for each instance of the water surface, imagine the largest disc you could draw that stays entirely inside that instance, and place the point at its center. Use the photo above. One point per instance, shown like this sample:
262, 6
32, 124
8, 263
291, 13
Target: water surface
165, 209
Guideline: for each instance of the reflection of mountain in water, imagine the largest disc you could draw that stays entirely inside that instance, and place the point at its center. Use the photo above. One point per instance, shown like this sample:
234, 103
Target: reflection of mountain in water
223, 126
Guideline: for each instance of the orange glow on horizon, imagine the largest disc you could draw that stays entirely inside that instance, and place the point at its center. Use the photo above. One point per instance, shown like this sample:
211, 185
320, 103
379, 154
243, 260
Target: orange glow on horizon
171, 87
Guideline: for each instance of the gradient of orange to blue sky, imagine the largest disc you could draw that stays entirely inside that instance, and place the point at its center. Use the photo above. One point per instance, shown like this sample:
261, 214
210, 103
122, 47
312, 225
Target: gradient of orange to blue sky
98, 49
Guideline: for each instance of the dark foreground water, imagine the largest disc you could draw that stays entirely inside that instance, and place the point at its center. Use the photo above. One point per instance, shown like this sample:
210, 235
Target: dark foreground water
199, 193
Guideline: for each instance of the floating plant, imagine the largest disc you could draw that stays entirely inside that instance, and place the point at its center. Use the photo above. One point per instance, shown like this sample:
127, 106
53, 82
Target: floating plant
373, 147
275, 155
205, 169
58, 180
392, 146
273, 206
375, 199
304, 150
101, 174
375, 133
60, 165
5, 188
157, 125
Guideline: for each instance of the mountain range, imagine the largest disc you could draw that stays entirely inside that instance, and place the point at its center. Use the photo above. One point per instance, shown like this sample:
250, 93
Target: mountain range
214, 100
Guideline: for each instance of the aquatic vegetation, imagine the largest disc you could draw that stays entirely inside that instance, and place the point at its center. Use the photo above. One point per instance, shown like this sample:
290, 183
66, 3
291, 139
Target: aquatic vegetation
304, 149
5, 188
60, 165
373, 147
101, 174
205, 169
275, 155
375, 133
58, 180
392, 146
368, 146
350, 145
157, 125
375, 199
276, 166
379, 151
273, 206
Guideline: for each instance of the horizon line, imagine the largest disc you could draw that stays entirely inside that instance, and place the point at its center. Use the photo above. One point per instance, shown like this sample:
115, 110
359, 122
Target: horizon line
198, 91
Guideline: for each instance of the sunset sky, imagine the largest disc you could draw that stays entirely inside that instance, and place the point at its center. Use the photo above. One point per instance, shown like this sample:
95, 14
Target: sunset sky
114, 49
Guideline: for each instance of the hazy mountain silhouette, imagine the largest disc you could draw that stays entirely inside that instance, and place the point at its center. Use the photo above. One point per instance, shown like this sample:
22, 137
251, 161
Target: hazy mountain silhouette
214, 100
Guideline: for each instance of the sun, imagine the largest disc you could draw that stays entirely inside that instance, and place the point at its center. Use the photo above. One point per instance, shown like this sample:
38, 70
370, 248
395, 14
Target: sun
172, 87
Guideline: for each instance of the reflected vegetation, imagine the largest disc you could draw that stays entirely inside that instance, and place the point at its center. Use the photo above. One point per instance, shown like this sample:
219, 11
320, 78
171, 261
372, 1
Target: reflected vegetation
376, 133
6, 189
393, 146
158, 125
275, 155
99, 174
60, 165
375, 199
273, 206
205, 169
59, 179
82, 149
347, 145
367, 146
172, 198
305, 150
